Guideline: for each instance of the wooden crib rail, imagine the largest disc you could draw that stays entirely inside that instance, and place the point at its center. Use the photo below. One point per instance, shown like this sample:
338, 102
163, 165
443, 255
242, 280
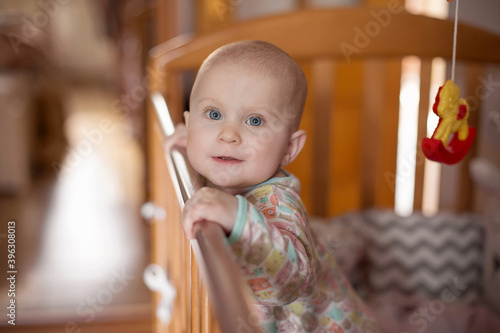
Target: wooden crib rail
330, 33
218, 269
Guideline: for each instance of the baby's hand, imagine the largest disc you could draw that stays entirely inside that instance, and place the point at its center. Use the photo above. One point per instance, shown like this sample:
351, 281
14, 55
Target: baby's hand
209, 204
179, 138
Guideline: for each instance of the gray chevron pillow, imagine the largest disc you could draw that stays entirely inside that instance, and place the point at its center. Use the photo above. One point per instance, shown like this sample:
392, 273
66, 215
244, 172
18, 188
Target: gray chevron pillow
436, 257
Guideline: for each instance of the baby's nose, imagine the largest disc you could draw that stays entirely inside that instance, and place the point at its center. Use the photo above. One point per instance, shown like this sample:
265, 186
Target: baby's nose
229, 134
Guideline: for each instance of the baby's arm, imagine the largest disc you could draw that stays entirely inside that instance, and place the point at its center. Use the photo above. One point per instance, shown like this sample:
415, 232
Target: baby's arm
271, 242
274, 249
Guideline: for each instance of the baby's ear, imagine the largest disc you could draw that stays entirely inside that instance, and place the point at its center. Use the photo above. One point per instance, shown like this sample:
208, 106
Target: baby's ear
295, 145
186, 117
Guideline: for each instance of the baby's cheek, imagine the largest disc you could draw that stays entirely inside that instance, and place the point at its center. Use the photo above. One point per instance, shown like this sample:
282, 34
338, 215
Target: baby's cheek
248, 150
266, 137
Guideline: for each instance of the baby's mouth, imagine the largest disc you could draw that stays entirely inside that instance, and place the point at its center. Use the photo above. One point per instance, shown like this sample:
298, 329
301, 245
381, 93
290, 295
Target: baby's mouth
226, 159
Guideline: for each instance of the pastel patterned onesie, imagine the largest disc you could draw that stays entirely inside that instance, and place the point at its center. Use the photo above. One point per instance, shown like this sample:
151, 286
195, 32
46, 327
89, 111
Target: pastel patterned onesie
296, 281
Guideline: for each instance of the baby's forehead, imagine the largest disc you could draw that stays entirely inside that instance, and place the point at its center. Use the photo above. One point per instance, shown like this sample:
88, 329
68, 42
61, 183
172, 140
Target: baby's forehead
266, 69
211, 76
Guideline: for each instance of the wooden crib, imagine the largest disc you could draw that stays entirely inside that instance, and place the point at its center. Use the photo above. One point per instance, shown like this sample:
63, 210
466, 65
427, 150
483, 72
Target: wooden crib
353, 62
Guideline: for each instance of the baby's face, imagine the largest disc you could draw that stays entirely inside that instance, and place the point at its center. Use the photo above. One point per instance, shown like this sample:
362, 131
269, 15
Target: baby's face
238, 131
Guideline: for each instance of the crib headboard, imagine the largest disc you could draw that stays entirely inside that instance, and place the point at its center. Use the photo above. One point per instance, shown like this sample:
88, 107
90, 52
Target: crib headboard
349, 161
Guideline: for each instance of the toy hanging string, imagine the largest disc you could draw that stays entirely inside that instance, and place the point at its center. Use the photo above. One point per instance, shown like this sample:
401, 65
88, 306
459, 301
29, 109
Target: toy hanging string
453, 113
455, 29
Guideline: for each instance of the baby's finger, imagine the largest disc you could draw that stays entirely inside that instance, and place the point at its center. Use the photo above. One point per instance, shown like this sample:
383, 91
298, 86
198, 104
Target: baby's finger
179, 138
187, 225
190, 215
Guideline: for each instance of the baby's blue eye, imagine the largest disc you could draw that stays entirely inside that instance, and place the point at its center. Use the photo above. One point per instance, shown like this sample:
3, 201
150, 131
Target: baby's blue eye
214, 115
254, 121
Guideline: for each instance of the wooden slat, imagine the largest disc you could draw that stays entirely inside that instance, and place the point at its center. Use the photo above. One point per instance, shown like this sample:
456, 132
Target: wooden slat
380, 132
372, 108
466, 187
169, 84
196, 295
159, 195
389, 118
208, 322
188, 282
321, 99
167, 20
168, 242
173, 236
167, 29
425, 86
344, 143
206, 318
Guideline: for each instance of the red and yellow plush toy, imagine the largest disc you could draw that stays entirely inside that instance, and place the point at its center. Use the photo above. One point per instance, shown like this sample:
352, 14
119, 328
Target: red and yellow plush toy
453, 112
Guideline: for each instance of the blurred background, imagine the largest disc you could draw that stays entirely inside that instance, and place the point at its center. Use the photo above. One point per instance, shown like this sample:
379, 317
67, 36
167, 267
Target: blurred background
72, 163
72, 146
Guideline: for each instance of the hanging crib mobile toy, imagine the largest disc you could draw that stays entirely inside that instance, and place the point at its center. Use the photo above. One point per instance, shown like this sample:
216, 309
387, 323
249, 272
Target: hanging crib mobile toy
453, 113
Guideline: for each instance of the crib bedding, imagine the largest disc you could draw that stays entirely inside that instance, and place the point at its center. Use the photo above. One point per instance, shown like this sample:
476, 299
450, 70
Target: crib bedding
419, 274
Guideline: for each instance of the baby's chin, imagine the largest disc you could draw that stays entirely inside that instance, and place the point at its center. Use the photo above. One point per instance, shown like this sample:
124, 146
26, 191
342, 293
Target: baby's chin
228, 187
225, 184
236, 183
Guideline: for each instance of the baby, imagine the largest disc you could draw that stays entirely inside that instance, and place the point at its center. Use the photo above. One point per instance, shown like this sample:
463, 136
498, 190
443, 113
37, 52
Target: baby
242, 128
